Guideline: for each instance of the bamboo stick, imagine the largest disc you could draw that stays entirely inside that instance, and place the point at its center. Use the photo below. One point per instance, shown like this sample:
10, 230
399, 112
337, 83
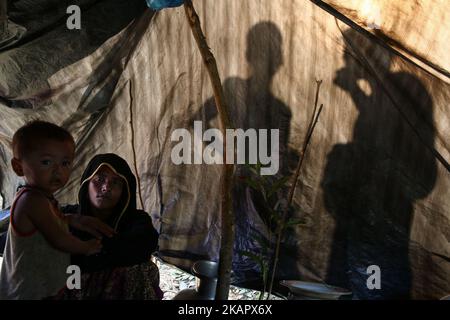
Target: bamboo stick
226, 212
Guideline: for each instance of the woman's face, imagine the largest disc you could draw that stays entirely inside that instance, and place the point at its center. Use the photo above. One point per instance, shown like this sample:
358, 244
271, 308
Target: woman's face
105, 189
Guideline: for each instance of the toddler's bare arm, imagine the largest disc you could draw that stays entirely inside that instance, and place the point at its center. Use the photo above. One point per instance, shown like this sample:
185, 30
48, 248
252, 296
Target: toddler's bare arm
37, 209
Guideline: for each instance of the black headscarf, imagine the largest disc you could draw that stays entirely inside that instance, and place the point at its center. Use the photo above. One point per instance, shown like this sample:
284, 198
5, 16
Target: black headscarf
127, 202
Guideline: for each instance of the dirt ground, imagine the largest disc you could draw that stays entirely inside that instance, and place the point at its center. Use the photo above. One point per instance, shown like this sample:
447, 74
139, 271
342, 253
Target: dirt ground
173, 280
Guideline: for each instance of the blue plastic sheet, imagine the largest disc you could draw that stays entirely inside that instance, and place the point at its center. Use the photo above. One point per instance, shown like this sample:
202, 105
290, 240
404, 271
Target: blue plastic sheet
4, 214
161, 4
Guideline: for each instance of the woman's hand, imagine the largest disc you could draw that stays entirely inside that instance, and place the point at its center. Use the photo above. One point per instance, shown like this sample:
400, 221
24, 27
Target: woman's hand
92, 225
94, 246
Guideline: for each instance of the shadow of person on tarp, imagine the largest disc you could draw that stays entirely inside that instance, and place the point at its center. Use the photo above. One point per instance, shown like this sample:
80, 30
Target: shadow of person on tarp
251, 102
253, 105
371, 183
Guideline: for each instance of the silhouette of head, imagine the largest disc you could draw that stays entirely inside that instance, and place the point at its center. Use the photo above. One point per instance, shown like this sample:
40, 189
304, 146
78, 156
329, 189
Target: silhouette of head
357, 48
264, 48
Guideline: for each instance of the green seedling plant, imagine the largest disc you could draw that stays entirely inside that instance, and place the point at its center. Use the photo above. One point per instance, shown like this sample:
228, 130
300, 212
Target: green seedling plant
271, 206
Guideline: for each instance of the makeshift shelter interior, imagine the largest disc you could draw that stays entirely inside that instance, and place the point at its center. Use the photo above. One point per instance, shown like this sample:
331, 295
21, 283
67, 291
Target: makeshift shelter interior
374, 188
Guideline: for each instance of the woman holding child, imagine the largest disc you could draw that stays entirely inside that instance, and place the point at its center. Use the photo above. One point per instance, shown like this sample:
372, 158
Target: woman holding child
39, 246
122, 270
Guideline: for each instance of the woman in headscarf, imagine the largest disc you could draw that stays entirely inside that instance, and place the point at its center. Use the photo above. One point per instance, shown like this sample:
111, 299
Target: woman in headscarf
123, 269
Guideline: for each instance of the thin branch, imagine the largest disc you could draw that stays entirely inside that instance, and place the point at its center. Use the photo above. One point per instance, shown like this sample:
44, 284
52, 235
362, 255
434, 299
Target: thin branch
280, 228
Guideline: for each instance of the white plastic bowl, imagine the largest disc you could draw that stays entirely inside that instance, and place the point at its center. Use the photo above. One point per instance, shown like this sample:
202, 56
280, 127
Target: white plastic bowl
313, 290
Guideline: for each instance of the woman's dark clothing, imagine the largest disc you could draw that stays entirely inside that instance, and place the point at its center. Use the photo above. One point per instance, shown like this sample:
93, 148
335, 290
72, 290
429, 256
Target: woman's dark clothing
138, 282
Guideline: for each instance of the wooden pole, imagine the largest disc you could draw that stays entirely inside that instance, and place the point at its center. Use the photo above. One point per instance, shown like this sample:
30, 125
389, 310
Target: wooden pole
226, 210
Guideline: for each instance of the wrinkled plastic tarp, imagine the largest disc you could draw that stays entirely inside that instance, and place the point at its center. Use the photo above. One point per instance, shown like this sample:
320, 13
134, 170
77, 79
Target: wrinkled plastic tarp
375, 184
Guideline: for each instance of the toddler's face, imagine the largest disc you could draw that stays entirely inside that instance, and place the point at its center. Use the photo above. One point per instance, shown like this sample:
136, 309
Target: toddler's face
48, 166
105, 189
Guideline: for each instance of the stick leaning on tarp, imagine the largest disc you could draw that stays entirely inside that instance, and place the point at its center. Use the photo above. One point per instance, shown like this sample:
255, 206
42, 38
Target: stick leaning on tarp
312, 124
227, 239
226, 212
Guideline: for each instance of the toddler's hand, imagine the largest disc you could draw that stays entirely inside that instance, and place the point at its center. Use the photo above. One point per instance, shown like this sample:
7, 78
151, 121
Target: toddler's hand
94, 246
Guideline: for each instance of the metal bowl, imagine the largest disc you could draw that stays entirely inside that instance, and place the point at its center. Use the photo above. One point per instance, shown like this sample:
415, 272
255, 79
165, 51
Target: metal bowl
205, 269
311, 290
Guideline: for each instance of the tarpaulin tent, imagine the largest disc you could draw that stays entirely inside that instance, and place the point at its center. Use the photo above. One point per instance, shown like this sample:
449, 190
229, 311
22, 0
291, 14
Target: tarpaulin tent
375, 183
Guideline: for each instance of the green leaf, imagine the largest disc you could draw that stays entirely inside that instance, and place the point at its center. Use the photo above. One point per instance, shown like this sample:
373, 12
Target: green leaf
263, 192
252, 256
278, 185
262, 241
281, 205
261, 295
255, 169
252, 183
275, 215
247, 165
295, 222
